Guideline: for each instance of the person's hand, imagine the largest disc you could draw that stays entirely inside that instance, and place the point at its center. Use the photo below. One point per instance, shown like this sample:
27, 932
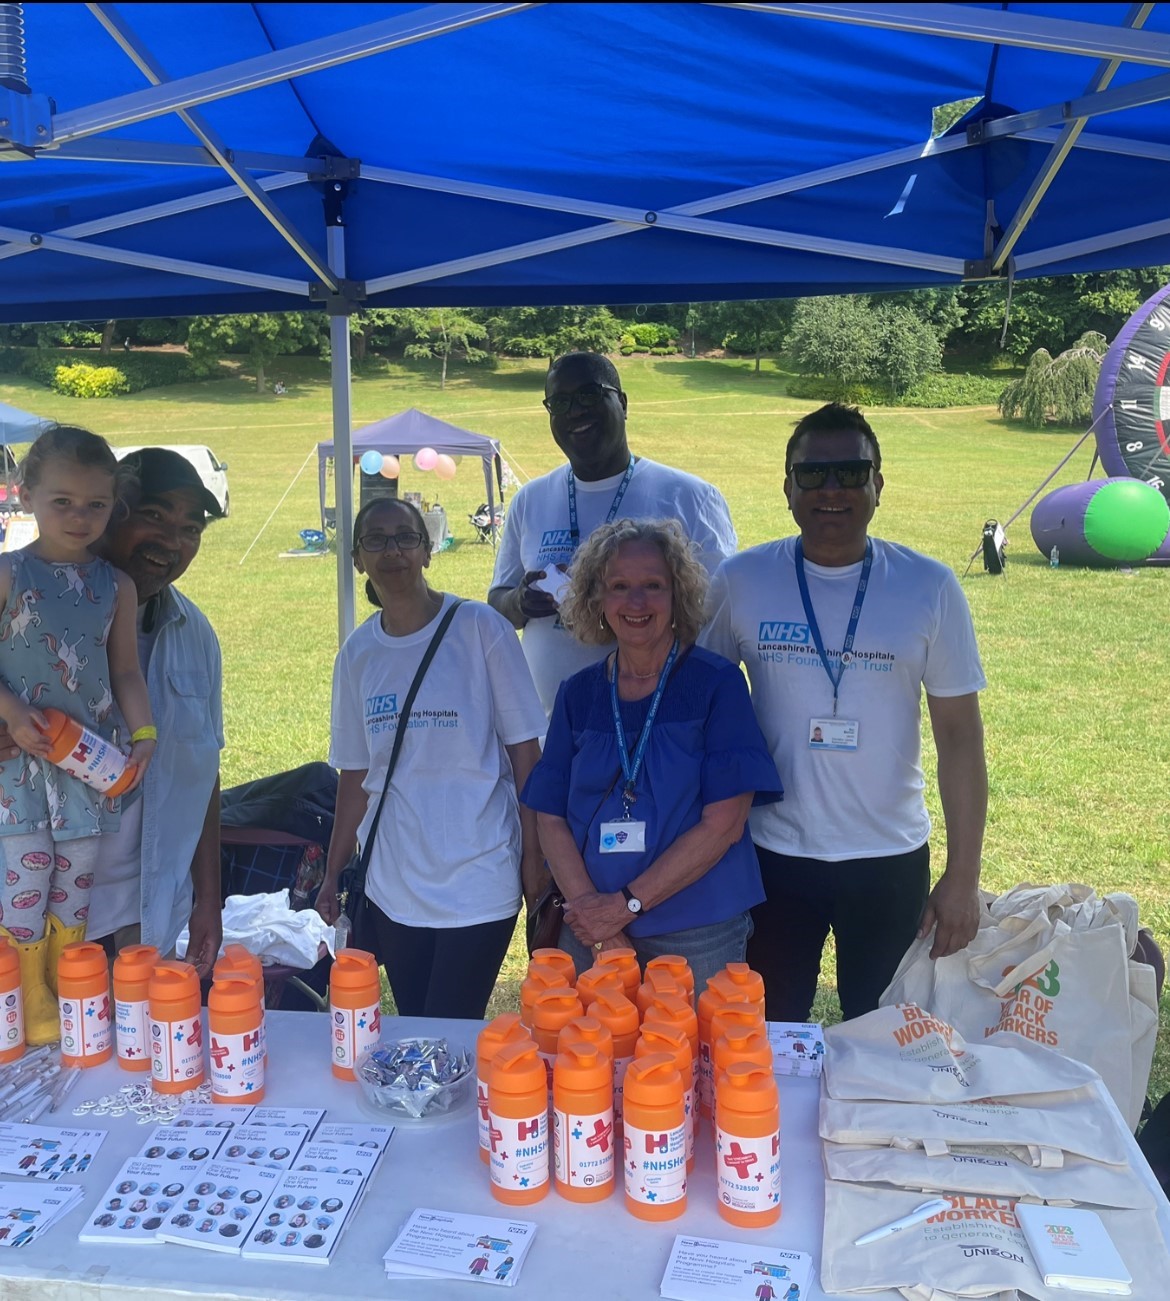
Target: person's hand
952, 909
531, 602
141, 753
618, 941
328, 904
205, 935
595, 918
27, 728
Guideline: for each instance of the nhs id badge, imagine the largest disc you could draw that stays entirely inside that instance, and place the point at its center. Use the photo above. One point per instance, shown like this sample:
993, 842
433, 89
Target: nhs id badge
623, 837
832, 733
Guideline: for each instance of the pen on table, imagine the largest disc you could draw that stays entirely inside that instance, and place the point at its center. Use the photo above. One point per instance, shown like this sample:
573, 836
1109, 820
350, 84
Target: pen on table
36, 1109
63, 1085
934, 1207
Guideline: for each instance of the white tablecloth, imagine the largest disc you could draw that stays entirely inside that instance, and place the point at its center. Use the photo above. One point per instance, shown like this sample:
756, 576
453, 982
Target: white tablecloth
586, 1251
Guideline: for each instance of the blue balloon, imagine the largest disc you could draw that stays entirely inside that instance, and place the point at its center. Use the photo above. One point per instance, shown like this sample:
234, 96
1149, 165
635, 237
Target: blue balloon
371, 461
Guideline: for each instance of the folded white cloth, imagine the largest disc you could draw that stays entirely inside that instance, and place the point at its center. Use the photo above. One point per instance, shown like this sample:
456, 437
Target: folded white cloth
266, 926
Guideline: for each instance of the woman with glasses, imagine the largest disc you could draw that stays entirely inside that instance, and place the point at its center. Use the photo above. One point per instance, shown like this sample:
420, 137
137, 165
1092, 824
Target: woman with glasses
652, 760
452, 850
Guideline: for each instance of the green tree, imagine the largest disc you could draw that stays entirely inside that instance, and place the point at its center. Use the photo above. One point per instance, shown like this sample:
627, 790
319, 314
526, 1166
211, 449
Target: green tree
909, 347
261, 336
1057, 390
838, 338
443, 333
755, 325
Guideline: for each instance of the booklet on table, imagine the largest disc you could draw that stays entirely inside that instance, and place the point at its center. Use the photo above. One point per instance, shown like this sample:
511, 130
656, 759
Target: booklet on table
708, 1269
305, 1118
305, 1217
439, 1244
1072, 1249
220, 1115
182, 1144
29, 1209
798, 1047
139, 1197
271, 1145
223, 1205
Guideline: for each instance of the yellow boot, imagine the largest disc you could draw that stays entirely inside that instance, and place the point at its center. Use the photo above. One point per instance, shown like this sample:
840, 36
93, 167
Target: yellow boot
42, 1022
59, 935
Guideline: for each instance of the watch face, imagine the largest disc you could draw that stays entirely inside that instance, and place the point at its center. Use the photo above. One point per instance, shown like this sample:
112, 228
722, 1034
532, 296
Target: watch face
634, 905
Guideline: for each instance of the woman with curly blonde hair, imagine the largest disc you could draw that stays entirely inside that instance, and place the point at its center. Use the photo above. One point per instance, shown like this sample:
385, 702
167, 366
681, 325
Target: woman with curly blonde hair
652, 760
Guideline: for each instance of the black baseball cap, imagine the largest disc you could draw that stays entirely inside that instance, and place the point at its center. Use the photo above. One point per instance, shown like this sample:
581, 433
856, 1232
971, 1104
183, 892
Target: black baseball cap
159, 470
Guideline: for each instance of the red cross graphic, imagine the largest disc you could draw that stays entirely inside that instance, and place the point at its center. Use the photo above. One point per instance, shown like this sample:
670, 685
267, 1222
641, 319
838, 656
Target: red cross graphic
739, 1160
218, 1052
602, 1132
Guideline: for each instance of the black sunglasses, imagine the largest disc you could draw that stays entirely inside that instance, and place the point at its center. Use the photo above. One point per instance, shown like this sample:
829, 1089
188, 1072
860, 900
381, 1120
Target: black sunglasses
376, 542
847, 474
586, 397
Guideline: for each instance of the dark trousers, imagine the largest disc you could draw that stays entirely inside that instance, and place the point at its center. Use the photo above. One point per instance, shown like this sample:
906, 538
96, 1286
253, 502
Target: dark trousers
440, 972
872, 905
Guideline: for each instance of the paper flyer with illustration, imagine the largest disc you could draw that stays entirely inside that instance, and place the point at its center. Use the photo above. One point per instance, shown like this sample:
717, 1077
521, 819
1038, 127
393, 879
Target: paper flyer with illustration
28, 1209
43, 1152
708, 1269
439, 1244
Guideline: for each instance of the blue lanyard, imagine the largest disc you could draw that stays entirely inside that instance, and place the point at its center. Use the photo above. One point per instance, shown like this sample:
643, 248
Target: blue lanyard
850, 632
574, 531
630, 770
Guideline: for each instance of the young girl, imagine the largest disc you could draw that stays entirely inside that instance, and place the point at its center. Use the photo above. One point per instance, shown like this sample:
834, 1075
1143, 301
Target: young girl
452, 847
67, 639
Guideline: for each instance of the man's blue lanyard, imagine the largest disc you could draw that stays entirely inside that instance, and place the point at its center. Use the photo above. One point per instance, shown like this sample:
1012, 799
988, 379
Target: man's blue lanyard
630, 770
850, 632
574, 531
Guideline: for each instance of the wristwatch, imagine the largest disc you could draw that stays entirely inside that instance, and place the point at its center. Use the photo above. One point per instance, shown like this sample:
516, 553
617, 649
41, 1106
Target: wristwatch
633, 903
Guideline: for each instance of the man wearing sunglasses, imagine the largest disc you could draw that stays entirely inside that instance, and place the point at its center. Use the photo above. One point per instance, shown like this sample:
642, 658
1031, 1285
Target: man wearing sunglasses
840, 633
551, 516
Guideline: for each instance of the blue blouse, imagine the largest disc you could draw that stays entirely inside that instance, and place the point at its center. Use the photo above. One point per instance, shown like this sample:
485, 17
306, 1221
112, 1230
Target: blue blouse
705, 746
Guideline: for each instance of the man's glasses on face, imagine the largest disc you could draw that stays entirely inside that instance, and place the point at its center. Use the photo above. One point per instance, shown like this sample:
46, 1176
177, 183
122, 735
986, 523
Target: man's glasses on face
373, 543
586, 397
847, 474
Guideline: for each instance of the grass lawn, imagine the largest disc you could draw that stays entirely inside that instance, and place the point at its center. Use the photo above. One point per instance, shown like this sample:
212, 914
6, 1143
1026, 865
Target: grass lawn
1076, 749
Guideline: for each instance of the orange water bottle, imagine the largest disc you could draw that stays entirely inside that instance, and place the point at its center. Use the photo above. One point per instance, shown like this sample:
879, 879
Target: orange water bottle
86, 755
12, 1001
505, 1029
355, 1008
176, 1028
556, 958
620, 1018
583, 1138
235, 1022
625, 963
589, 982
676, 1010
740, 1045
719, 992
540, 976
83, 996
238, 958
747, 1129
553, 1009
132, 968
672, 1040
654, 1141
659, 980
587, 1030
518, 1124
678, 967
738, 983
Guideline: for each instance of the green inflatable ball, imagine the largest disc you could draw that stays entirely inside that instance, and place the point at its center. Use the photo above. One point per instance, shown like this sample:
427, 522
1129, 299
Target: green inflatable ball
1126, 520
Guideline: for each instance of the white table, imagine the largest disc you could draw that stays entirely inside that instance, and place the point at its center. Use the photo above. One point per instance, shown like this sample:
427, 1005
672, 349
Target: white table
582, 1251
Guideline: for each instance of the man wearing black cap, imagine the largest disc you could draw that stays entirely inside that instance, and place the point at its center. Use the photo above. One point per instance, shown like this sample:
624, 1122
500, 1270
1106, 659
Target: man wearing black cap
160, 871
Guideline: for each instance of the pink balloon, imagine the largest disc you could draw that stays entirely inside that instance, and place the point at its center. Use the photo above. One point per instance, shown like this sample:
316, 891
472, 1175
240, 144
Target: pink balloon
425, 458
445, 467
390, 467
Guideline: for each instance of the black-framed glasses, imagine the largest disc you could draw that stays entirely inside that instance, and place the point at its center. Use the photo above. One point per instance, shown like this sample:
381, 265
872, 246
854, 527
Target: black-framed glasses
586, 397
373, 543
846, 474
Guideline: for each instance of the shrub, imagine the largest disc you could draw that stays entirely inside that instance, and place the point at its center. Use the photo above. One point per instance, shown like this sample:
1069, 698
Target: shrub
82, 381
959, 390
663, 352
138, 370
651, 334
627, 349
815, 388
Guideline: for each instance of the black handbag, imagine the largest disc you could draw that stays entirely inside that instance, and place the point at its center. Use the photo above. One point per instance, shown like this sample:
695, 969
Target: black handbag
542, 926
352, 882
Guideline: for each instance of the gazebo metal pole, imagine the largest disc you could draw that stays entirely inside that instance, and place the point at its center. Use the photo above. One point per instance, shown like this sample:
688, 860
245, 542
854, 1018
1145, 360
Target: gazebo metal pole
342, 441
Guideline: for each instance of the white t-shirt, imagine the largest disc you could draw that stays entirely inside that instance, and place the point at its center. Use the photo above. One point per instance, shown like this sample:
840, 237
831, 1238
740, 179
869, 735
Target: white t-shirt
914, 631
448, 842
536, 536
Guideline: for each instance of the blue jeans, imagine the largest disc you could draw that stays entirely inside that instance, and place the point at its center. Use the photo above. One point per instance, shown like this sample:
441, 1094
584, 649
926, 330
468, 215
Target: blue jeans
707, 949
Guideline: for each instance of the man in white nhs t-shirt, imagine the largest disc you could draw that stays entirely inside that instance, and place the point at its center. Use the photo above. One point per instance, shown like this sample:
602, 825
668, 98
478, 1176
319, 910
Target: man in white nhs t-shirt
551, 516
840, 633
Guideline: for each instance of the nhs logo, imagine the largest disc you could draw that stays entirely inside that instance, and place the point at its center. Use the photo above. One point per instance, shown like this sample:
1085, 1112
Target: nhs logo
378, 705
556, 538
782, 630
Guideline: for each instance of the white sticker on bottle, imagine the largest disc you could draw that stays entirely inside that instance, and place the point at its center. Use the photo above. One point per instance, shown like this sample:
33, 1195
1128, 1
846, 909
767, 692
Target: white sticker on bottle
133, 1029
86, 1028
748, 1170
176, 1050
355, 1031
583, 1148
655, 1165
519, 1151
691, 1121
12, 1034
237, 1064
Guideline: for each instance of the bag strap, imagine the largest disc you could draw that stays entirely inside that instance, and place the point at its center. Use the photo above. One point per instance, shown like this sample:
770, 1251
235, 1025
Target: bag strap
400, 730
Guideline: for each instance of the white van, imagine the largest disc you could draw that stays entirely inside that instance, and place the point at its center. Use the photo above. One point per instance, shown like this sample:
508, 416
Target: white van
211, 469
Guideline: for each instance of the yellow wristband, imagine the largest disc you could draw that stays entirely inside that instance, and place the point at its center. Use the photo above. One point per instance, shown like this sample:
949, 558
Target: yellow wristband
144, 734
